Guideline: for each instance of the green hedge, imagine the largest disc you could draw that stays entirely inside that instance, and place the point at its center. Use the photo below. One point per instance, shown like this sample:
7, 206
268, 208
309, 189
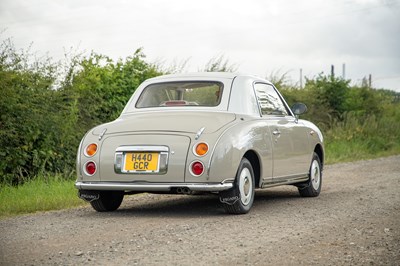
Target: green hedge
46, 108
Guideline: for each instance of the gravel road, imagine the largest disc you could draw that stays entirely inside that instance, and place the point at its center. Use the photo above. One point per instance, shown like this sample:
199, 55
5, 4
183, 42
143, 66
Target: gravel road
354, 221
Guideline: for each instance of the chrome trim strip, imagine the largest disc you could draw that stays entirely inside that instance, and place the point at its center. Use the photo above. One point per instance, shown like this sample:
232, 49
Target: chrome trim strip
102, 134
290, 177
199, 133
287, 181
148, 187
142, 148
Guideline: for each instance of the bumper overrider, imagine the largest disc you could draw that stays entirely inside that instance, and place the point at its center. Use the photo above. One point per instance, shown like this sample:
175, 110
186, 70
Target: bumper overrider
154, 187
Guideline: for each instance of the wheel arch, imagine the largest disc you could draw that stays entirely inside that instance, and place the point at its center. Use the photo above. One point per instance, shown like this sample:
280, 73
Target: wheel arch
253, 158
320, 152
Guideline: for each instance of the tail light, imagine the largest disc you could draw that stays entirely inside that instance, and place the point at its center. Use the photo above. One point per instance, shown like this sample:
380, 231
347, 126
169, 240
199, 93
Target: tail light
91, 149
201, 149
90, 168
197, 168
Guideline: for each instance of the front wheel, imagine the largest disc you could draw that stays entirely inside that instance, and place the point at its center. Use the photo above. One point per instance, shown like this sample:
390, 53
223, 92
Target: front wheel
312, 187
108, 201
239, 199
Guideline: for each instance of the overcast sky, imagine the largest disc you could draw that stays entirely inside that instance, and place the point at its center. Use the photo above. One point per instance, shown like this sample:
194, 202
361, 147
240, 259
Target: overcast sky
259, 36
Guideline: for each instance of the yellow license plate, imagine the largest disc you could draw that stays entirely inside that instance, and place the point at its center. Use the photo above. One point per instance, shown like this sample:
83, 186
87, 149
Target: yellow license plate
141, 161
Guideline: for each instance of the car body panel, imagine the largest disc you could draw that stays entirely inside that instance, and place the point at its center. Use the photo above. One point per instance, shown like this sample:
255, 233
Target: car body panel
170, 121
251, 134
291, 156
178, 148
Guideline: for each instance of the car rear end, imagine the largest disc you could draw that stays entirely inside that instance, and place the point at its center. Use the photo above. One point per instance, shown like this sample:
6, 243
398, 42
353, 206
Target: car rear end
135, 154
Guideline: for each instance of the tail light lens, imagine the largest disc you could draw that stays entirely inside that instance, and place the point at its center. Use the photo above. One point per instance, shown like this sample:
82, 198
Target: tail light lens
197, 168
201, 149
91, 149
90, 168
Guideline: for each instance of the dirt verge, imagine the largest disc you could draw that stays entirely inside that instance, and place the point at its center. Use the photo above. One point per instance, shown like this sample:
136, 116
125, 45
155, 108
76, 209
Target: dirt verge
355, 221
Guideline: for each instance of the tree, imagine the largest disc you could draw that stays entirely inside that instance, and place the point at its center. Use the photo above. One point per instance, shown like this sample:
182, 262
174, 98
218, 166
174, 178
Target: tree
102, 87
219, 64
28, 120
331, 92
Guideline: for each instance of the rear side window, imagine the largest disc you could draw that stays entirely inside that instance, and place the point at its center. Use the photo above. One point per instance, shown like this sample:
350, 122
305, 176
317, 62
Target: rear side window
269, 100
175, 94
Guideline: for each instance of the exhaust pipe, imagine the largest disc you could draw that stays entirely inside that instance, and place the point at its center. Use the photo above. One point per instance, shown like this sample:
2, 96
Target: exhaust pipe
183, 190
186, 191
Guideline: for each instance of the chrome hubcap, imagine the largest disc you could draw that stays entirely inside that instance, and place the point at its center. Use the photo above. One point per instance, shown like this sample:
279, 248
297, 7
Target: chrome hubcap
315, 175
245, 186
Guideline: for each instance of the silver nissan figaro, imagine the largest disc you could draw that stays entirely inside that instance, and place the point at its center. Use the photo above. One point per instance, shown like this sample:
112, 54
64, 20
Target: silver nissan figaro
220, 133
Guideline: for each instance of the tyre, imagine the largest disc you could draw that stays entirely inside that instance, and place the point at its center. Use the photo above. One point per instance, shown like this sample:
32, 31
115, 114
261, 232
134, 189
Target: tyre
240, 198
312, 187
108, 201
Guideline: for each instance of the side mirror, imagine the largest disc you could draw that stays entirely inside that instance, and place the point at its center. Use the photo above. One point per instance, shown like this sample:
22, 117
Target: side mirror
299, 109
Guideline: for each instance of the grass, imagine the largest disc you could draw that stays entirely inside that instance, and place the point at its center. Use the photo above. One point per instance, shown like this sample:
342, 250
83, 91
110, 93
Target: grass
346, 151
40, 194
358, 139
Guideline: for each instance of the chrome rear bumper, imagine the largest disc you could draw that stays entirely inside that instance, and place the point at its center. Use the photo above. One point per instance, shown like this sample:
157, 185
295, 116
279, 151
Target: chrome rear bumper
150, 187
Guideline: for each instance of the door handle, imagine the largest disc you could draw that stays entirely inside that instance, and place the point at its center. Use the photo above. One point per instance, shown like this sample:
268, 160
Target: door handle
276, 132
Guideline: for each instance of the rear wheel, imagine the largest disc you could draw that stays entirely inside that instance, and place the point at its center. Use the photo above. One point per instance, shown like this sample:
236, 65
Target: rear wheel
312, 187
108, 201
239, 199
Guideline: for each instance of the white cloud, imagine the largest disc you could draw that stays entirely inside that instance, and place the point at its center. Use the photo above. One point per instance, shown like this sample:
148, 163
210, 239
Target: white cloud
260, 36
